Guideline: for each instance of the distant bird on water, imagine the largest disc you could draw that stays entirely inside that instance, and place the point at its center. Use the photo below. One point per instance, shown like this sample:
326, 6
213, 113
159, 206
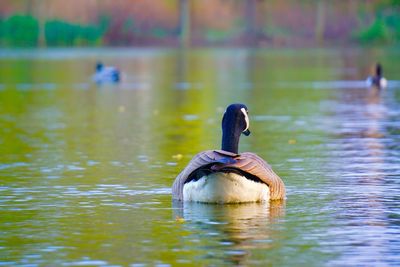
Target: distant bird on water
377, 80
106, 74
225, 176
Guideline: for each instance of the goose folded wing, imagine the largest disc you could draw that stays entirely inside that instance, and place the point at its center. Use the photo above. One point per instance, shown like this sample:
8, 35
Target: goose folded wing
246, 162
204, 158
251, 163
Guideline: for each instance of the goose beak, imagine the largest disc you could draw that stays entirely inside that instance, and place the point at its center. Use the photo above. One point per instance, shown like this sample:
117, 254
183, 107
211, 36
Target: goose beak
247, 132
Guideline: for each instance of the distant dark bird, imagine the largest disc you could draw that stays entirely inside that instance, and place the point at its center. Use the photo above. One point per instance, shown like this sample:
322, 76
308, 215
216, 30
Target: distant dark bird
106, 74
225, 176
377, 80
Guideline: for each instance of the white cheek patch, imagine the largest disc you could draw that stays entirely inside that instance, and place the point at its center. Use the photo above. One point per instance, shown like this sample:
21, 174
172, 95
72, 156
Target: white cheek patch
246, 118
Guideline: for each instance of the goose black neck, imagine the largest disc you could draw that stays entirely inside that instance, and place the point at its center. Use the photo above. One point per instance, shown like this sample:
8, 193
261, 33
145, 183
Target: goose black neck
379, 70
230, 139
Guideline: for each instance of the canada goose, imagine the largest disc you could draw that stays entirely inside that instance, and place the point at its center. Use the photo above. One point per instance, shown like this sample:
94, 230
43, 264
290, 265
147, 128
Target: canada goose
225, 176
106, 74
378, 80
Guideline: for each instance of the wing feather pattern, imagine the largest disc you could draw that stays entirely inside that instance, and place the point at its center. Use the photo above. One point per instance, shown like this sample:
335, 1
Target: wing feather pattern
246, 162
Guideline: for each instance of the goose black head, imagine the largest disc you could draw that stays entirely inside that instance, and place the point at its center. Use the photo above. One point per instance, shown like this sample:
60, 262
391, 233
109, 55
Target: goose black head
234, 122
99, 66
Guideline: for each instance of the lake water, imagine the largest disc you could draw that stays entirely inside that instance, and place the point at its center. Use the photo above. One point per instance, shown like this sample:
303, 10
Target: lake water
86, 170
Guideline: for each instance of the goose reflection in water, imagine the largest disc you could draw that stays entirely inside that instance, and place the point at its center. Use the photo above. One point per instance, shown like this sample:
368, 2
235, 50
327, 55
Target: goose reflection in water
236, 227
364, 173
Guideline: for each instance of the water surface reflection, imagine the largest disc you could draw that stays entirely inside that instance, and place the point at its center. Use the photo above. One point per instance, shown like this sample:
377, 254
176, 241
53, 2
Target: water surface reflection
86, 171
236, 228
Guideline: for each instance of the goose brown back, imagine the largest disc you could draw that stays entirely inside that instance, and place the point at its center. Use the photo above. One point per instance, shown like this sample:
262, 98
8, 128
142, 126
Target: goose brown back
219, 160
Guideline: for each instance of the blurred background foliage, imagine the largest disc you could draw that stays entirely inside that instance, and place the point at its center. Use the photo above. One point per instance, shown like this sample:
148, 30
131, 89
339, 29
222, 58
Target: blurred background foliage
61, 33
385, 27
30, 23
19, 30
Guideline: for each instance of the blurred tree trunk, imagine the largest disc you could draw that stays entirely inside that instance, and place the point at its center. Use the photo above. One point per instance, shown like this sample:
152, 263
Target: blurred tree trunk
250, 18
37, 9
184, 22
320, 23
28, 7
41, 7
